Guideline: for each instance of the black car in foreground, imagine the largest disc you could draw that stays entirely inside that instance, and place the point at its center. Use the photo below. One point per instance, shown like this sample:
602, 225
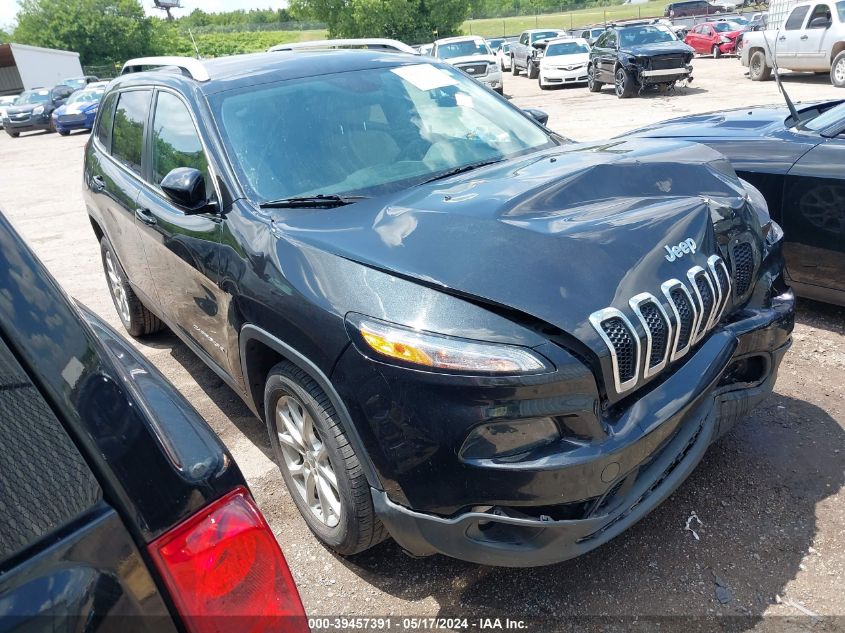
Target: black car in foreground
33, 110
461, 329
798, 167
636, 56
120, 508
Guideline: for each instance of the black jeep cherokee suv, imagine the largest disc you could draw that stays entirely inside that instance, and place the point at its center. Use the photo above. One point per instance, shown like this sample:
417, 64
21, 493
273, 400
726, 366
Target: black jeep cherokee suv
116, 498
635, 56
461, 329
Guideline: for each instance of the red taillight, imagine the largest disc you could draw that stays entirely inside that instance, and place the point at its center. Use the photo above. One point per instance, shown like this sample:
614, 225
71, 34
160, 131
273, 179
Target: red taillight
225, 571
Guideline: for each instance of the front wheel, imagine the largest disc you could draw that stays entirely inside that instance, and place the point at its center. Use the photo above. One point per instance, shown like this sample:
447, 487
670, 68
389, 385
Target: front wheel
64, 132
540, 82
319, 466
623, 83
593, 85
514, 69
837, 71
533, 71
758, 69
13, 134
717, 52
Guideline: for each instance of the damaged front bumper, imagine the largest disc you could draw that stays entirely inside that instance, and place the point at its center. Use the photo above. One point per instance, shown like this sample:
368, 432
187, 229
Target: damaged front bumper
664, 75
666, 431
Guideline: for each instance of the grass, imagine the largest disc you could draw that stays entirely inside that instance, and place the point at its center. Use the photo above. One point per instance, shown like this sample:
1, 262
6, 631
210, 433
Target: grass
491, 27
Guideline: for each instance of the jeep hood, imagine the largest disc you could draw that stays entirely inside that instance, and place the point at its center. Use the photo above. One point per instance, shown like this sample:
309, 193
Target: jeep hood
556, 235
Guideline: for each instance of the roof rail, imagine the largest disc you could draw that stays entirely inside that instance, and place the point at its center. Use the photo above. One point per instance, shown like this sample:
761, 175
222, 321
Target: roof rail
192, 67
372, 43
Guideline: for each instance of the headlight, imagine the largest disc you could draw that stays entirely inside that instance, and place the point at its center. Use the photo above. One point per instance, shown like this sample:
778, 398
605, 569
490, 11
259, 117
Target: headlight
724, 39
37, 110
436, 351
775, 233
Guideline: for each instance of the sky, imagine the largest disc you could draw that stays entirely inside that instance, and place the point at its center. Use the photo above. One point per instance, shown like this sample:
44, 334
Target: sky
8, 8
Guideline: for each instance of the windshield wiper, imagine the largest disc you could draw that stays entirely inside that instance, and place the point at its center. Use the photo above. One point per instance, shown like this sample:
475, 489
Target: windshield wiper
319, 201
462, 169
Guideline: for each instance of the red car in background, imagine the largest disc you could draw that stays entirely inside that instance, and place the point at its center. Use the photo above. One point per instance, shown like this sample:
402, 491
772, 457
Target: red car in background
718, 38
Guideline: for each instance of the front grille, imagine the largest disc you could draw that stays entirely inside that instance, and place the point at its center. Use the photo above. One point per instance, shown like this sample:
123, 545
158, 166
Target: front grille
477, 69
670, 326
663, 62
623, 344
743, 260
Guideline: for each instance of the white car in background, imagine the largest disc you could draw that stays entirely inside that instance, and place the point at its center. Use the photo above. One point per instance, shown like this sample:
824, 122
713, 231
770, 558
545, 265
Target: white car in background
504, 56
471, 55
5, 102
564, 62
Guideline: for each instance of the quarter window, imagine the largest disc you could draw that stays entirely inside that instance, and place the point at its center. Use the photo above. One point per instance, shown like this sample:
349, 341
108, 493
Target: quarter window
176, 142
128, 129
796, 18
106, 121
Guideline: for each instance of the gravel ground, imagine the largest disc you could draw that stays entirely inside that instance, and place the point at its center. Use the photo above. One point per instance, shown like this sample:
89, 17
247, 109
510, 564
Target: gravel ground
770, 494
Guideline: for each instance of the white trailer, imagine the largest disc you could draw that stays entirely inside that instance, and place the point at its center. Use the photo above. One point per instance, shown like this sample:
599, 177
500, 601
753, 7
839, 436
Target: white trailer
24, 67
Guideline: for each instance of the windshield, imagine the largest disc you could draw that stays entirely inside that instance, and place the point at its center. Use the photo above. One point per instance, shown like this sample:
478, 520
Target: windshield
644, 35
840, 9
566, 48
829, 118
398, 127
544, 35
495, 43
33, 96
466, 48
85, 95
77, 83
723, 27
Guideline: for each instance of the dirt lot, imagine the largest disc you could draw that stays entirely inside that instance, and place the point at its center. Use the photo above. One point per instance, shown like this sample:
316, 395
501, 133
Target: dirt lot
770, 495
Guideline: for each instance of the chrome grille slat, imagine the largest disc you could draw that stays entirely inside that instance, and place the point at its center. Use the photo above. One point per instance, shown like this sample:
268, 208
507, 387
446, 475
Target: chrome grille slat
668, 327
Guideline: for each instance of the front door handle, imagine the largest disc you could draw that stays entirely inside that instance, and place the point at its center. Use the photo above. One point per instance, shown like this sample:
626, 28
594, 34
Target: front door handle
145, 216
98, 184
782, 38
803, 37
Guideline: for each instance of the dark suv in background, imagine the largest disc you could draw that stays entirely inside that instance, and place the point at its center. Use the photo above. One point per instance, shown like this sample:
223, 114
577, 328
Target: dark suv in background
33, 110
636, 56
691, 8
119, 507
461, 329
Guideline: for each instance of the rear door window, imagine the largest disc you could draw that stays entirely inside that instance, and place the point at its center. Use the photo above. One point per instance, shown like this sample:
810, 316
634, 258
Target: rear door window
128, 129
796, 18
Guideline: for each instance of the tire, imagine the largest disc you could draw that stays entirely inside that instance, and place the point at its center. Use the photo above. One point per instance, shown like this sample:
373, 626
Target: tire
624, 83
717, 52
540, 83
64, 132
13, 134
533, 72
592, 84
500, 91
308, 437
134, 315
514, 69
837, 71
758, 70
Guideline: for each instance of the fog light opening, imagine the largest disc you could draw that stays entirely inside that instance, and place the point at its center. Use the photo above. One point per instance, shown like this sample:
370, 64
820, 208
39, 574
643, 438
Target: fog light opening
746, 372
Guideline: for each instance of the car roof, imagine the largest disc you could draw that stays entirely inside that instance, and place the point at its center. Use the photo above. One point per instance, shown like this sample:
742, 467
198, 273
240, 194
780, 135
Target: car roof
234, 71
459, 38
568, 38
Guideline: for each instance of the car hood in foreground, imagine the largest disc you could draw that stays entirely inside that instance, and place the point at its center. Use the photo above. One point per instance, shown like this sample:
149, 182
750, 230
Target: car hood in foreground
557, 235
752, 138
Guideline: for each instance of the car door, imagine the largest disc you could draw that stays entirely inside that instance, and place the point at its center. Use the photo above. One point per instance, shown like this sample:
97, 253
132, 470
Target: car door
814, 217
521, 52
182, 247
815, 40
607, 57
789, 38
114, 175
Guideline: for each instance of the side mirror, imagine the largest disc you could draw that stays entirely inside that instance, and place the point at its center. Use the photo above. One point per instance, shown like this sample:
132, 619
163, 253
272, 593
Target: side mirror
538, 115
186, 187
820, 22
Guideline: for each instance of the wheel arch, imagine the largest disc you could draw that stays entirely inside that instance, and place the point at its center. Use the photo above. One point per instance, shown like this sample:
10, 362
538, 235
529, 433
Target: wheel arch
260, 352
838, 47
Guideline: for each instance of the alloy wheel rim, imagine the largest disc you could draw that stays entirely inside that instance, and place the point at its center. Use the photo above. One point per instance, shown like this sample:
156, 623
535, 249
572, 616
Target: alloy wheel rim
307, 460
839, 71
118, 292
620, 81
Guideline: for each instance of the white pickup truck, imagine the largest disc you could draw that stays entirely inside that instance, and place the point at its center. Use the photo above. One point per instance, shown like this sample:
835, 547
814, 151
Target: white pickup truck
527, 51
812, 39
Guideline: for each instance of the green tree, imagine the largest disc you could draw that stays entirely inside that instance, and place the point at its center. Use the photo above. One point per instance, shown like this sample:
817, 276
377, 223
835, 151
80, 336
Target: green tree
101, 31
406, 20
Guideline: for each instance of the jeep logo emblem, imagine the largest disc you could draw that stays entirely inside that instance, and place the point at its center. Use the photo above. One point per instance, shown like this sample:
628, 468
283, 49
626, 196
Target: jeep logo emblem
684, 248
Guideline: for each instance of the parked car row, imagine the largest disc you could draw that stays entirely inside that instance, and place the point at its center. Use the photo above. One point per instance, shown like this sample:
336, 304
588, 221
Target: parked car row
68, 106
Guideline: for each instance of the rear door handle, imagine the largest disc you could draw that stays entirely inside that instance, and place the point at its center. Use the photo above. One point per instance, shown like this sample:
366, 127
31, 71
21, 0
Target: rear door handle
145, 216
97, 183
